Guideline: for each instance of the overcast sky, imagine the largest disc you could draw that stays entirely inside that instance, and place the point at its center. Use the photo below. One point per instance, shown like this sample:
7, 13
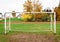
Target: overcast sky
17, 5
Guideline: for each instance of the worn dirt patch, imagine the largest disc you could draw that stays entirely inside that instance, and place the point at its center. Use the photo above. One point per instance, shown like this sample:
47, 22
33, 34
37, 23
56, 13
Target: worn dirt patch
32, 38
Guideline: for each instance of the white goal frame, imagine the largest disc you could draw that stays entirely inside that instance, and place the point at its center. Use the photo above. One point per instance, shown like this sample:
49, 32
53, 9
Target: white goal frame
31, 12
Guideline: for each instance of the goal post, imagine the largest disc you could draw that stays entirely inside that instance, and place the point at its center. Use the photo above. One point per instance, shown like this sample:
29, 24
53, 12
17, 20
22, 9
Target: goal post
52, 21
9, 22
5, 24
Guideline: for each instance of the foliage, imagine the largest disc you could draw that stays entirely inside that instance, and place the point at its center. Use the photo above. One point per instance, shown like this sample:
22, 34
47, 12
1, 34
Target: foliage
28, 6
27, 17
42, 17
37, 6
45, 17
37, 16
57, 10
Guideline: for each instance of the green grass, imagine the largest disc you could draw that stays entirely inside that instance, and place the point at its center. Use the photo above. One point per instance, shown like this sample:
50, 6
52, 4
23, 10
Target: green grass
30, 27
13, 19
34, 28
58, 28
1, 28
26, 28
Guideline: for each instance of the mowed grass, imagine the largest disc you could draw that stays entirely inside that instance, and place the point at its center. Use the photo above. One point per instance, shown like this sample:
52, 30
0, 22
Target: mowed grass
26, 28
38, 28
1, 28
58, 28
30, 27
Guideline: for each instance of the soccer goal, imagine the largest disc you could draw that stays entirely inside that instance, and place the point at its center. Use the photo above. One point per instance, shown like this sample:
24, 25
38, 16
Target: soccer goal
41, 22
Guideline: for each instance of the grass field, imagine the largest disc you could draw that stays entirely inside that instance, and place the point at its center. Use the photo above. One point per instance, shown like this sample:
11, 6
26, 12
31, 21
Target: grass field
27, 28
1, 28
32, 28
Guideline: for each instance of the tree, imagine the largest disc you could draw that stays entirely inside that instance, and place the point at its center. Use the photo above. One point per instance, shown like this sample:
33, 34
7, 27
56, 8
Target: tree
57, 10
37, 6
28, 6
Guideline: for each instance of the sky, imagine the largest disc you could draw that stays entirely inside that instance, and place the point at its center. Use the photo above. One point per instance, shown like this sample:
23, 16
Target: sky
17, 5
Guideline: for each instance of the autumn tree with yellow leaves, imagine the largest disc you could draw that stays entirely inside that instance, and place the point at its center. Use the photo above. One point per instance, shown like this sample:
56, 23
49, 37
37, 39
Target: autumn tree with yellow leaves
29, 6
37, 8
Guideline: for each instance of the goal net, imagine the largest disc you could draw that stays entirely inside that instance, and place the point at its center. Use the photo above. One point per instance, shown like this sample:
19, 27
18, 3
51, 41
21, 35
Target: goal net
30, 22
